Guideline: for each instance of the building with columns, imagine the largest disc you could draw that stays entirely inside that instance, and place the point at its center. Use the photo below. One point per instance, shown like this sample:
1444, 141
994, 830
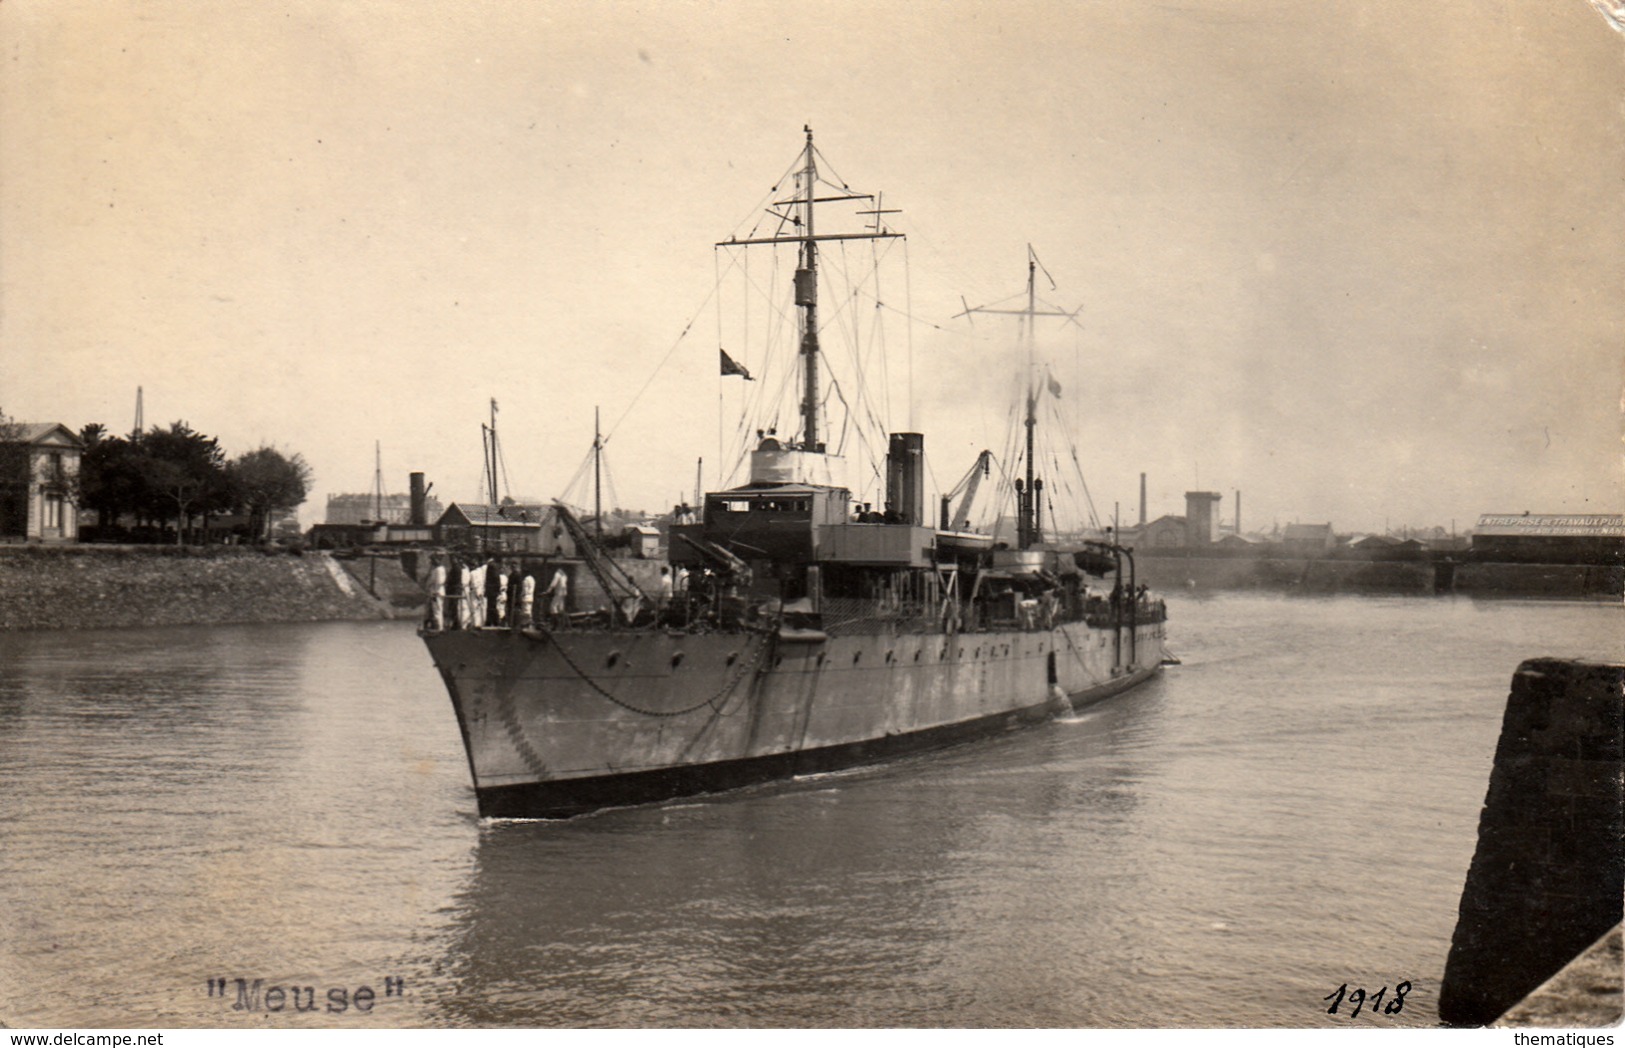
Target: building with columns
39, 468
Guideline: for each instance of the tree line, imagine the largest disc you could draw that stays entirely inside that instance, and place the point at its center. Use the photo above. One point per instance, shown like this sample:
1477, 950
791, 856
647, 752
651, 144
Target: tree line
169, 477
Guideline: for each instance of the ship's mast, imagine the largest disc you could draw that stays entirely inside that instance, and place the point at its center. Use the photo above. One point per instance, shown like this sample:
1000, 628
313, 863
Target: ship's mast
806, 281
1030, 533
807, 299
597, 478
1029, 507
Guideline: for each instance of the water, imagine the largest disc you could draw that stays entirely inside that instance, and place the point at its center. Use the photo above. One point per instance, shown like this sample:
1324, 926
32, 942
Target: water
1292, 809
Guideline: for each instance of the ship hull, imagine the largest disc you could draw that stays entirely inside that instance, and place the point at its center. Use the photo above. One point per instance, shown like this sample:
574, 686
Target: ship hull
556, 725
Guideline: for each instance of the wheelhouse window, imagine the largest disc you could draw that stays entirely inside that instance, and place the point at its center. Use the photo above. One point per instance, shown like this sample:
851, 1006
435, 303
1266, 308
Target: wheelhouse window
784, 505
762, 505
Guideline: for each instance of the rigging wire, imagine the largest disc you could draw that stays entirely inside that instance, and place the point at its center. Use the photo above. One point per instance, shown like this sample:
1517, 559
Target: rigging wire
761, 204
715, 288
578, 493
778, 320
716, 283
908, 329
1089, 518
835, 329
775, 388
578, 479
663, 361
613, 503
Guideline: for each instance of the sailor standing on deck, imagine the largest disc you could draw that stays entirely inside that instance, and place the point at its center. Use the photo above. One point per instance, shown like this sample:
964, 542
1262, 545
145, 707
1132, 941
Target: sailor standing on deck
527, 600
465, 596
437, 594
559, 592
476, 597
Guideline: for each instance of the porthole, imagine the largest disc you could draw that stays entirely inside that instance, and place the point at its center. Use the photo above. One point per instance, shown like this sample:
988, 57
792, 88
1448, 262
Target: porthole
614, 657
677, 660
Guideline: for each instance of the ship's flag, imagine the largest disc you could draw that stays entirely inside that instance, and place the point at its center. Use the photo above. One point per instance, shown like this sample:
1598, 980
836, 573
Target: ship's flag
1054, 386
730, 366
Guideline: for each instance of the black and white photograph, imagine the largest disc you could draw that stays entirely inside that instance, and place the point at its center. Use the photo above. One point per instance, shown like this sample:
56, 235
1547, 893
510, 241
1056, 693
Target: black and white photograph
1051, 515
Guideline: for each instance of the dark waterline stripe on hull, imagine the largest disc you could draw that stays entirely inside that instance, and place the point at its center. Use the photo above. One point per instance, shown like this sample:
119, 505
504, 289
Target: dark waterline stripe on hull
562, 798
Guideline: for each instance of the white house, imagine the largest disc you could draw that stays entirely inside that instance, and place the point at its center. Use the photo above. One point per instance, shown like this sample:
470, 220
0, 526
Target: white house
41, 463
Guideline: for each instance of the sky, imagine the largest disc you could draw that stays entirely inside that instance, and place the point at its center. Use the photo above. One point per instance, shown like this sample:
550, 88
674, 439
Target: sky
1359, 262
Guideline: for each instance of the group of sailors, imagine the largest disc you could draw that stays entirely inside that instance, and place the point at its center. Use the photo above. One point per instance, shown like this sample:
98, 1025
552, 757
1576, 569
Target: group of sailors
865, 514
473, 593
1146, 605
469, 593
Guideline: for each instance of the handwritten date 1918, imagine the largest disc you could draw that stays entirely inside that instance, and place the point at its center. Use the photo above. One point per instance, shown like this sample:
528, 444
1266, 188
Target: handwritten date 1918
1358, 999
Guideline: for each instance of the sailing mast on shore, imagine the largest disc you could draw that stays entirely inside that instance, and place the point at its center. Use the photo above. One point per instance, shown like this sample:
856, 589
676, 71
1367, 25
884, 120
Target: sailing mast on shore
495, 467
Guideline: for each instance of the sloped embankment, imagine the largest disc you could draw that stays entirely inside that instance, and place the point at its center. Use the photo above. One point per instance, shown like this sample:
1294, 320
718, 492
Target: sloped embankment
97, 587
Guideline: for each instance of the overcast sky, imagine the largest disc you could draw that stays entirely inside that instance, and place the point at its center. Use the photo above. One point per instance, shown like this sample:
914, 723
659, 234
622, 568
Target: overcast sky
1361, 261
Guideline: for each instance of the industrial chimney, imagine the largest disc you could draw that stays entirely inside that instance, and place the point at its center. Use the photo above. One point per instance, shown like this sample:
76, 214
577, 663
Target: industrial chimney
420, 501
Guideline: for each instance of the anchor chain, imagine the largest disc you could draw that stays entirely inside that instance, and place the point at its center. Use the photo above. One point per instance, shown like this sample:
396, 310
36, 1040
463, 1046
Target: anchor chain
733, 681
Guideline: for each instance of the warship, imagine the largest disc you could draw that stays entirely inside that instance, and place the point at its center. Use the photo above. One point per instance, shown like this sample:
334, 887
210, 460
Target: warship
801, 631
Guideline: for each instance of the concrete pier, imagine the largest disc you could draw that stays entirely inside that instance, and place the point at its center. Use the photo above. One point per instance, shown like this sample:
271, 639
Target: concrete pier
1547, 880
1586, 993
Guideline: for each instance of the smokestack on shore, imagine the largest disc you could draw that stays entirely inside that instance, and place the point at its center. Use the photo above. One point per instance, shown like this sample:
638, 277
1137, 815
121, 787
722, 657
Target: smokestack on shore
420, 501
1142, 500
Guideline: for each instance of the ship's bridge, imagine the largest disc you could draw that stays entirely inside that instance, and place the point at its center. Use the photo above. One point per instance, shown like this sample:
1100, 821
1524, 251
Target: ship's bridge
786, 519
764, 521
777, 462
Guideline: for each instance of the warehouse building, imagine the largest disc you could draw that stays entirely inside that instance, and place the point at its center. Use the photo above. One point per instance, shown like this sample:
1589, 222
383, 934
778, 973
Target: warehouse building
1550, 538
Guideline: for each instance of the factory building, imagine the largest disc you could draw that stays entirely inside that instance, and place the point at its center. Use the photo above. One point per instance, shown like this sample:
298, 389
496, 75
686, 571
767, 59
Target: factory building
1550, 538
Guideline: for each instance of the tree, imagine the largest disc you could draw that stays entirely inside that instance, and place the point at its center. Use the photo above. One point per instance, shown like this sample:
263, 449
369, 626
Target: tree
182, 473
105, 483
266, 483
16, 475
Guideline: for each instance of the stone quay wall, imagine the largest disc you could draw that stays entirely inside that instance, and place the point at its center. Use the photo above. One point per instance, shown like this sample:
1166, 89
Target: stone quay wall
1548, 877
100, 587
1327, 575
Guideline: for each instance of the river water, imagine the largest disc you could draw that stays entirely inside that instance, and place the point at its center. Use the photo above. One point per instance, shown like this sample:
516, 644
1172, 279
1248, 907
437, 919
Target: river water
1292, 809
